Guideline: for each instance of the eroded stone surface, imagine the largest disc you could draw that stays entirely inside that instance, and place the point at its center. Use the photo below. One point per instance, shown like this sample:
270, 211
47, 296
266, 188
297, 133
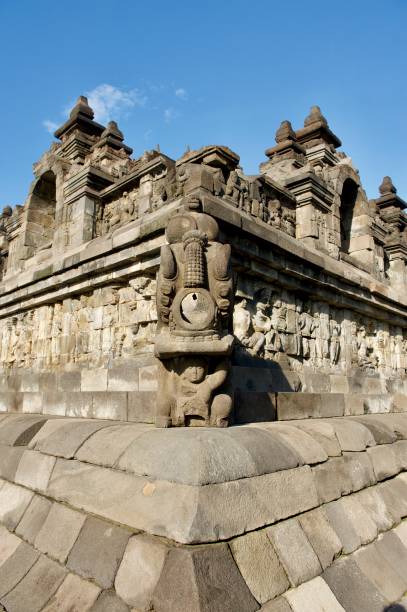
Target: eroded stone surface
98, 551
295, 552
206, 578
140, 571
259, 565
59, 531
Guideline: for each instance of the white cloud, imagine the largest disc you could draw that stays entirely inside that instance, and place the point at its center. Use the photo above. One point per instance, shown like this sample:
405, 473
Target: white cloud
169, 114
50, 126
181, 93
109, 102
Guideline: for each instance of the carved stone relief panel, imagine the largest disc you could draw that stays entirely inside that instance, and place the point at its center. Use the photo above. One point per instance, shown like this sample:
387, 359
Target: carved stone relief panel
273, 323
111, 321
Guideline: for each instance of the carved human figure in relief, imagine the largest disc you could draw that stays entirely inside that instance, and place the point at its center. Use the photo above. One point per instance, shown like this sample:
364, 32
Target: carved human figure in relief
305, 324
241, 321
194, 331
196, 400
261, 325
334, 347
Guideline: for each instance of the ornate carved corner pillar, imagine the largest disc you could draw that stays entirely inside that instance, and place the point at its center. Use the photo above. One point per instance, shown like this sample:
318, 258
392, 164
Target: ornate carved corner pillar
194, 337
82, 196
397, 273
314, 211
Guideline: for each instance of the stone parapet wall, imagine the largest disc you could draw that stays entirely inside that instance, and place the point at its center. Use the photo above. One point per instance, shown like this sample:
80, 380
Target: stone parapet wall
302, 516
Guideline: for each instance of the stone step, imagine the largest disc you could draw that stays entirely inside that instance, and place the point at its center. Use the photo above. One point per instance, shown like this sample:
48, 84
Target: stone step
300, 516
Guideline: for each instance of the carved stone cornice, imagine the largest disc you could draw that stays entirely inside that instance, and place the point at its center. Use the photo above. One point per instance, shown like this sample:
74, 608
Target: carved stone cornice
89, 181
309, 189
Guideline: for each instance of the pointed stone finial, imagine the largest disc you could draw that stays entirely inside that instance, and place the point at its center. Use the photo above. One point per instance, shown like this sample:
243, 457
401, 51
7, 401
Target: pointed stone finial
285, 132
112, 129
315, 116
82, 107
387, 186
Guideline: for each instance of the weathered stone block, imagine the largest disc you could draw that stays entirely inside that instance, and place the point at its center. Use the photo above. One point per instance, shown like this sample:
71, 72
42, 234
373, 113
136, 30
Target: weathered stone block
30, 381
294, 551
122, 378
94, 380
140, 571
98, 551
205, 577
54, 403
16, 566
59, 532
33, 518
36, 588
298, 405
207, 456
105, 446
19, 430
73, 594
14, 501
351, 523
339, 384
382, 433
64, 441
259, 565
8, 401
399, 403
252, 379
352, 436
31, 403
392, 549
384, 461
8, 544
308, 449
79, 404
141, 406
182, 512
377, 569
360, 470
9, 459
47, 381
313, 596
321, 536
351, 587
401, 532
398, 488
332, 479
34, 470
277, 605
400, 450
148, 378
353, 404
69, 381
375, 506
254, 406
108, 602
111, 405
323, 433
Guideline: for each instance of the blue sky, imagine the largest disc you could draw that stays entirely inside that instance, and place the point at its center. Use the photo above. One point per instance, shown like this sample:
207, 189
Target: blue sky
196, 73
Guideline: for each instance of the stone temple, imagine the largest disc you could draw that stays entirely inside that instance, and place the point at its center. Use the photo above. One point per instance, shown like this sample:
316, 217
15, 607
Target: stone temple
203, 380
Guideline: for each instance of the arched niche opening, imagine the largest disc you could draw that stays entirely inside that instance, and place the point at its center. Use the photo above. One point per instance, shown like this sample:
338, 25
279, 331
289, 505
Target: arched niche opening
347, 210
41, 213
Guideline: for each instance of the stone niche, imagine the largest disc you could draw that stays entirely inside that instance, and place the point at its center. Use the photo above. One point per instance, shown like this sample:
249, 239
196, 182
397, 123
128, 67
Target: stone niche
296, 280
